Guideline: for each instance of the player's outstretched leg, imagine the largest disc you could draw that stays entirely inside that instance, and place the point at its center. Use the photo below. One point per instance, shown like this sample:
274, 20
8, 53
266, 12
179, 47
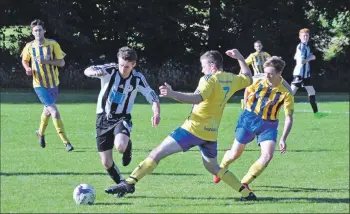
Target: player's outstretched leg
229, 157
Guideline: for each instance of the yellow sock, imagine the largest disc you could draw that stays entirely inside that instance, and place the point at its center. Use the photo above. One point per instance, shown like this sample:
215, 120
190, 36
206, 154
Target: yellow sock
229, 178
60, 130
254, 171
145, 167
226, 161
43, 124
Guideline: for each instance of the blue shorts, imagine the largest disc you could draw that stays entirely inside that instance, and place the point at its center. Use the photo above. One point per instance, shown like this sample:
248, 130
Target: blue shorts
187, 140
250, 125
47, 96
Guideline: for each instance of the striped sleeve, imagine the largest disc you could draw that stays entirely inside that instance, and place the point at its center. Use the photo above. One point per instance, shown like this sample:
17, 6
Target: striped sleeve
288, 100
145, 89
25, 53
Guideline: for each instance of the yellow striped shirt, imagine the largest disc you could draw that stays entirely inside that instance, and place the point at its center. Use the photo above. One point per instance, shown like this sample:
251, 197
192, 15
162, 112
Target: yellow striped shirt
266, 101
257, 60
43, 75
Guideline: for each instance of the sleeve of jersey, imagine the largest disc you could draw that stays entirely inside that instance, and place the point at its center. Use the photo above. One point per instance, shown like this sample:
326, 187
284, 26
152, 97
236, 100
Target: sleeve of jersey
205, 86
25, 53
147, 91
59, 54
240, 81
289, 104
267, 55
299, 54
249, 60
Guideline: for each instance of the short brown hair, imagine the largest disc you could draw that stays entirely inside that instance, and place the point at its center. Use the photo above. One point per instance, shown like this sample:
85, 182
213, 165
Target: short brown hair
37, 22
258, 41
304, 30
275, 62
213, 57
127, 54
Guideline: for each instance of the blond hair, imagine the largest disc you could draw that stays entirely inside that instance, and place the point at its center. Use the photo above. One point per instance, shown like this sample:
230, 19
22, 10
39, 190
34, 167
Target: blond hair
304, 30
275, 62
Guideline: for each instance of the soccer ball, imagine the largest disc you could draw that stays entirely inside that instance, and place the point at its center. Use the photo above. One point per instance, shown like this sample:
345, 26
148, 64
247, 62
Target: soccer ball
84, 194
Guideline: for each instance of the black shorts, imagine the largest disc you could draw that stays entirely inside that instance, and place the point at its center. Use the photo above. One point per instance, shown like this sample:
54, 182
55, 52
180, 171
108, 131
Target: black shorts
107, 128
299, 81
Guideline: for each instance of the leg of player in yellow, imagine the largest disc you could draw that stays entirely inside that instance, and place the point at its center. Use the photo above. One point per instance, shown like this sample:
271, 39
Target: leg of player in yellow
267, 150
40, 133
211, 164
230, 156
57, 122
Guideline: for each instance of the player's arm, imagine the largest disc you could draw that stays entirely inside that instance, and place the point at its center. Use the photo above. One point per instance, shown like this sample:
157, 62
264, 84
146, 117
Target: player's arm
288, 121
245, 70
191, 98
151, 97
95, 71
26, 61
59, 57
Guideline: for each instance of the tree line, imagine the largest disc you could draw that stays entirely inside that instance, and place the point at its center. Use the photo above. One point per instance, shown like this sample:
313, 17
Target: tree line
169, 36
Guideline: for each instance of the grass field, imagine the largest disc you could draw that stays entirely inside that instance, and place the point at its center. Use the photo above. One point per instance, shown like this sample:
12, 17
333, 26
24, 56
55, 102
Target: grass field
313, 176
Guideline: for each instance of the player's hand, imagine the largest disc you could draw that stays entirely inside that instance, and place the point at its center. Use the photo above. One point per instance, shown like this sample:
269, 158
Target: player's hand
155, 120
29, 71
313, 57
283, 146
100, 73
165, 90
234, 53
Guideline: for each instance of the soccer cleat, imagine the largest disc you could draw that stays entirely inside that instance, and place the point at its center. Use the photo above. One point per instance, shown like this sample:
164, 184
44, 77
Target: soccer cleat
127, 155
320, 115
121, 189
250, 197
216, 179
69, 147
41, 139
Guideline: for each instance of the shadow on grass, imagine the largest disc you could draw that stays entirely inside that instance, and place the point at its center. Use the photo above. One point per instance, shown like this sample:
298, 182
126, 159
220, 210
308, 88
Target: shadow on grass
89, 173
236, 199
298, 189
111, 204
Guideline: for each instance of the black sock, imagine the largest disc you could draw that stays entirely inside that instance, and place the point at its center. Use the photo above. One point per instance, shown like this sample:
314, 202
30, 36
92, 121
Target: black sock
114, 173
313, 103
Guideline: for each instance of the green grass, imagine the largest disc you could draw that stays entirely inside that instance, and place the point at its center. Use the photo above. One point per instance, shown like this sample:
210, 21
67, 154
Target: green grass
313, 176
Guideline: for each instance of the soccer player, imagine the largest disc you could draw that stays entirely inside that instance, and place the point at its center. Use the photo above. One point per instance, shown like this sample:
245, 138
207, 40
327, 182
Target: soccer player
257, 59
119, 86
45, 56
201, 127
301, 73
260, 118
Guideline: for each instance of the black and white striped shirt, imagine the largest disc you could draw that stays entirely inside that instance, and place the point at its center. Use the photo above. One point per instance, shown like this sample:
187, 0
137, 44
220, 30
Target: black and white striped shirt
117, 95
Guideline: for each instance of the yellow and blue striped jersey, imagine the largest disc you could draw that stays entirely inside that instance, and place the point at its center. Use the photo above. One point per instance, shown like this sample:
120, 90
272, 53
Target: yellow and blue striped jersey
266, 101
215, 90
257, 60
43, 75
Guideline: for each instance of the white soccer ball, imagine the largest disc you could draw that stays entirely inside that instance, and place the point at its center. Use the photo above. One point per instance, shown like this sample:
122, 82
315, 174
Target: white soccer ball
84, 194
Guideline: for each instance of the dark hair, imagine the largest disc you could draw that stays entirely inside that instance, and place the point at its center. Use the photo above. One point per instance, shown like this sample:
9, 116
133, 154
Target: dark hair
37, 22
213, 57
127, 54
275, 62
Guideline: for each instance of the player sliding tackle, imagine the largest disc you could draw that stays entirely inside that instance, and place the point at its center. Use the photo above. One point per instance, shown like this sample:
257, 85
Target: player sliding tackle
201, 128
